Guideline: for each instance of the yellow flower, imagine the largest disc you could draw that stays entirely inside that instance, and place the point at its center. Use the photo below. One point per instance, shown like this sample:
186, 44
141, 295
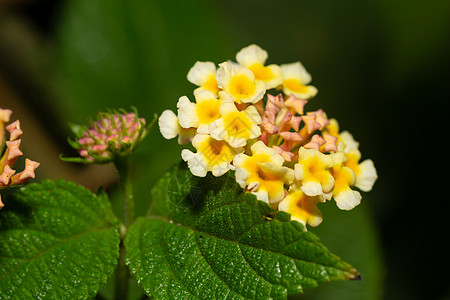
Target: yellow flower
263, 173
301, 207
236, 127
253, 58
199, 114
203, 74
170, 128
344, 178
295, 81
240, 83
212, 155
365, 172
313, 171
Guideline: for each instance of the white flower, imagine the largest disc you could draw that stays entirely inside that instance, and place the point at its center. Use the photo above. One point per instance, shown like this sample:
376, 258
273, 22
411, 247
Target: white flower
170, 128
199, 114
236, 127
253, 58
263, 173
301, 207
212, 155
203, 74
240, 83
313, 171
344, 178
365, 172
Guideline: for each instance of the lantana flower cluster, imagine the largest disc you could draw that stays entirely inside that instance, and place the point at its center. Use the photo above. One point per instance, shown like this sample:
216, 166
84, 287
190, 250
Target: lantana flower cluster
249, 117
10, 152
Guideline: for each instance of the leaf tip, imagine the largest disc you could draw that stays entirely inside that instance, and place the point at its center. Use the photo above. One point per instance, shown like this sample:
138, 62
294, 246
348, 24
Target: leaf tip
354, 275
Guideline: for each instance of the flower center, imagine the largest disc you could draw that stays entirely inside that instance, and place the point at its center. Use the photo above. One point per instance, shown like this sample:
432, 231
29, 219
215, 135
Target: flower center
208, 111
241, 87
352, 163
237, 124
211, 84
261, 72
295, 86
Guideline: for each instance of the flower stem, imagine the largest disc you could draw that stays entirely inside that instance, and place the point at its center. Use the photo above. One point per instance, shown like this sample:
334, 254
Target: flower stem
122, 272
123, 166
121, 280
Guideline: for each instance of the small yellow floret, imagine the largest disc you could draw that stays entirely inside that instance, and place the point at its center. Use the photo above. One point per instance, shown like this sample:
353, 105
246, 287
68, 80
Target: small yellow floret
302, 208
240, 83
261, 72
211, 84
212, 155
199, 115
344, 179
203, 74
241, 87
295, 86
254, 58
313, 170
236, 127
208, 111
263, 173
365, 172
296, 80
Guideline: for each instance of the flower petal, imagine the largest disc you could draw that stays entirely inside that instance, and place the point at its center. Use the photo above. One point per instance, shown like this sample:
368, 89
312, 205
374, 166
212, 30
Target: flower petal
201, 72
367, 176
250, 55
187, 113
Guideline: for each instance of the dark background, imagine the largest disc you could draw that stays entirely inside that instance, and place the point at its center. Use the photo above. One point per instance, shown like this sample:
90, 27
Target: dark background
381, 67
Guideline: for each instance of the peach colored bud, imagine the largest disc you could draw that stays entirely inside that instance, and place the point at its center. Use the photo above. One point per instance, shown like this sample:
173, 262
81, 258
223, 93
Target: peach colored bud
13, 151
295, 122
320, 118
291, 136
5, 114
269, 126
330, 143
311, 123
277, 100
287, 155
296, 105
14, 130
27, 173
271, 111
315, 143
285, 124
6, 176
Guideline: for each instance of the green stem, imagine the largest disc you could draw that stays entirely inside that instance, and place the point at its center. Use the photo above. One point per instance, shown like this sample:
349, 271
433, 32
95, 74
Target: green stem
121, 280
123, 166
122, 272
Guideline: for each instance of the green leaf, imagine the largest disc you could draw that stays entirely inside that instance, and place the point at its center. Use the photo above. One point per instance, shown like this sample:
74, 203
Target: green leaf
57, 241
206, 238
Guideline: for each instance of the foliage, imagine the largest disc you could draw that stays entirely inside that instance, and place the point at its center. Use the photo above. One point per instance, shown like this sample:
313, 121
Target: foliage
208, 237
57, 241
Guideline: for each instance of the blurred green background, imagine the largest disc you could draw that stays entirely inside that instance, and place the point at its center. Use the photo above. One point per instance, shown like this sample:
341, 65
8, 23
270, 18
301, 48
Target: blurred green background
381, 67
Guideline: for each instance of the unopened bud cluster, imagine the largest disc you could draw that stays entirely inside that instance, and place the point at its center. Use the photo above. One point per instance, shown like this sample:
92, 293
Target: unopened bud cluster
111, 135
